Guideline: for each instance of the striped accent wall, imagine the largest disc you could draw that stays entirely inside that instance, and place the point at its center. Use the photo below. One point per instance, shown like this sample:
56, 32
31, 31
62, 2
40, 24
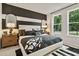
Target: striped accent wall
26, 19
25, 23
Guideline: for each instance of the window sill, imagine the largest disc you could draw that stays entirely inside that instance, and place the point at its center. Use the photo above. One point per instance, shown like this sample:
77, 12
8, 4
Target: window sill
73, 36
57, 32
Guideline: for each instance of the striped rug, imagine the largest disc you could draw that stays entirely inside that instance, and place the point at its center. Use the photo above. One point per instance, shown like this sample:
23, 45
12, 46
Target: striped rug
63, 51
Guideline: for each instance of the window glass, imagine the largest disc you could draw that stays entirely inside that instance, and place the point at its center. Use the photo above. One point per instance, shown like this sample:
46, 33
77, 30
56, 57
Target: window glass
74, 22
57, 23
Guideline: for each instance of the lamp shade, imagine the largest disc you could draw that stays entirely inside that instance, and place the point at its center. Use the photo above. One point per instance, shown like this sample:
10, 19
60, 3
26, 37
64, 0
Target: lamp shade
11, 20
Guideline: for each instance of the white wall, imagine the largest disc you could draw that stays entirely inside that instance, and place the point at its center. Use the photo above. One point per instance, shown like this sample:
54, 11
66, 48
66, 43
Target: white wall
49, 16
0, 23
0, 16
68, 40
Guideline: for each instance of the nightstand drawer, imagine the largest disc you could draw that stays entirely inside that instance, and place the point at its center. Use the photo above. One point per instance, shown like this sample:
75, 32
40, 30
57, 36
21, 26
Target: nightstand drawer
9, 40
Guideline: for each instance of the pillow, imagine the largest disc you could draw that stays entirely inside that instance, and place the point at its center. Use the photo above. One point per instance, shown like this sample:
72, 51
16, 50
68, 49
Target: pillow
33, 44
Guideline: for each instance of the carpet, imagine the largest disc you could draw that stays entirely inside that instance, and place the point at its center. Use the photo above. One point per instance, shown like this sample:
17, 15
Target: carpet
74, 50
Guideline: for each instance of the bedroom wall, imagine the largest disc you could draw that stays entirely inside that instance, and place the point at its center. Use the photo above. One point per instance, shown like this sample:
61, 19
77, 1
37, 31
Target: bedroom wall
68, 40
49, 22
0, 23
0, 15
29, 27
24, 17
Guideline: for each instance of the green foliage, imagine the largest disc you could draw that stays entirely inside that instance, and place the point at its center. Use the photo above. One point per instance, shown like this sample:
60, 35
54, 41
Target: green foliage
74, 16
57, 19
57, 23
74, 27
74, 22
57, 27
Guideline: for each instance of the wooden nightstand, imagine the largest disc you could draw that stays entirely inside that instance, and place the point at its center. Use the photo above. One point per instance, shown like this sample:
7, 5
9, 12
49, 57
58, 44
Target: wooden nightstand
9, 40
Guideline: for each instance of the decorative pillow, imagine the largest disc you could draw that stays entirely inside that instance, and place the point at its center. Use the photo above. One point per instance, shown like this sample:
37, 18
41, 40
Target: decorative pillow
33, 44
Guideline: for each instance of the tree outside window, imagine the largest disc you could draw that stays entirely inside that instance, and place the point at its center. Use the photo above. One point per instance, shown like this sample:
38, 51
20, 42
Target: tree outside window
57, 23
74, 22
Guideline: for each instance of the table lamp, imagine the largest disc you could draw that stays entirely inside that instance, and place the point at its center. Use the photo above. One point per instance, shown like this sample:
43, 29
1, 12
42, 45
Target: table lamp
11, 22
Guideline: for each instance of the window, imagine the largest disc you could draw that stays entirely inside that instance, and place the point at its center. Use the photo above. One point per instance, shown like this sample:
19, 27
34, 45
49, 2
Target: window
73, 22
57, 23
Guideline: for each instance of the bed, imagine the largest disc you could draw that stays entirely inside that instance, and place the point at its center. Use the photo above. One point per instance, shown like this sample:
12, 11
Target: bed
47, 44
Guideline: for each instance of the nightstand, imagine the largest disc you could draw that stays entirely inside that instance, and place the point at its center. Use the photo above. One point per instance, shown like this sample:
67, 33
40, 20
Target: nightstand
9, 40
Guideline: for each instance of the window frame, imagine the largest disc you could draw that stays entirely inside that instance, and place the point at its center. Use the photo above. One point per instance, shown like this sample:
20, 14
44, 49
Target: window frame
56, 32
71, 22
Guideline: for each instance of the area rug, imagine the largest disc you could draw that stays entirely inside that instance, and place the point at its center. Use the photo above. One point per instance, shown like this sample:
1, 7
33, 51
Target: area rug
74, 50
18, 52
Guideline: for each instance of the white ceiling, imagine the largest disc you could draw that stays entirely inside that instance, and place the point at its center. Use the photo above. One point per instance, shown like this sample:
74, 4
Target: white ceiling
44, 8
